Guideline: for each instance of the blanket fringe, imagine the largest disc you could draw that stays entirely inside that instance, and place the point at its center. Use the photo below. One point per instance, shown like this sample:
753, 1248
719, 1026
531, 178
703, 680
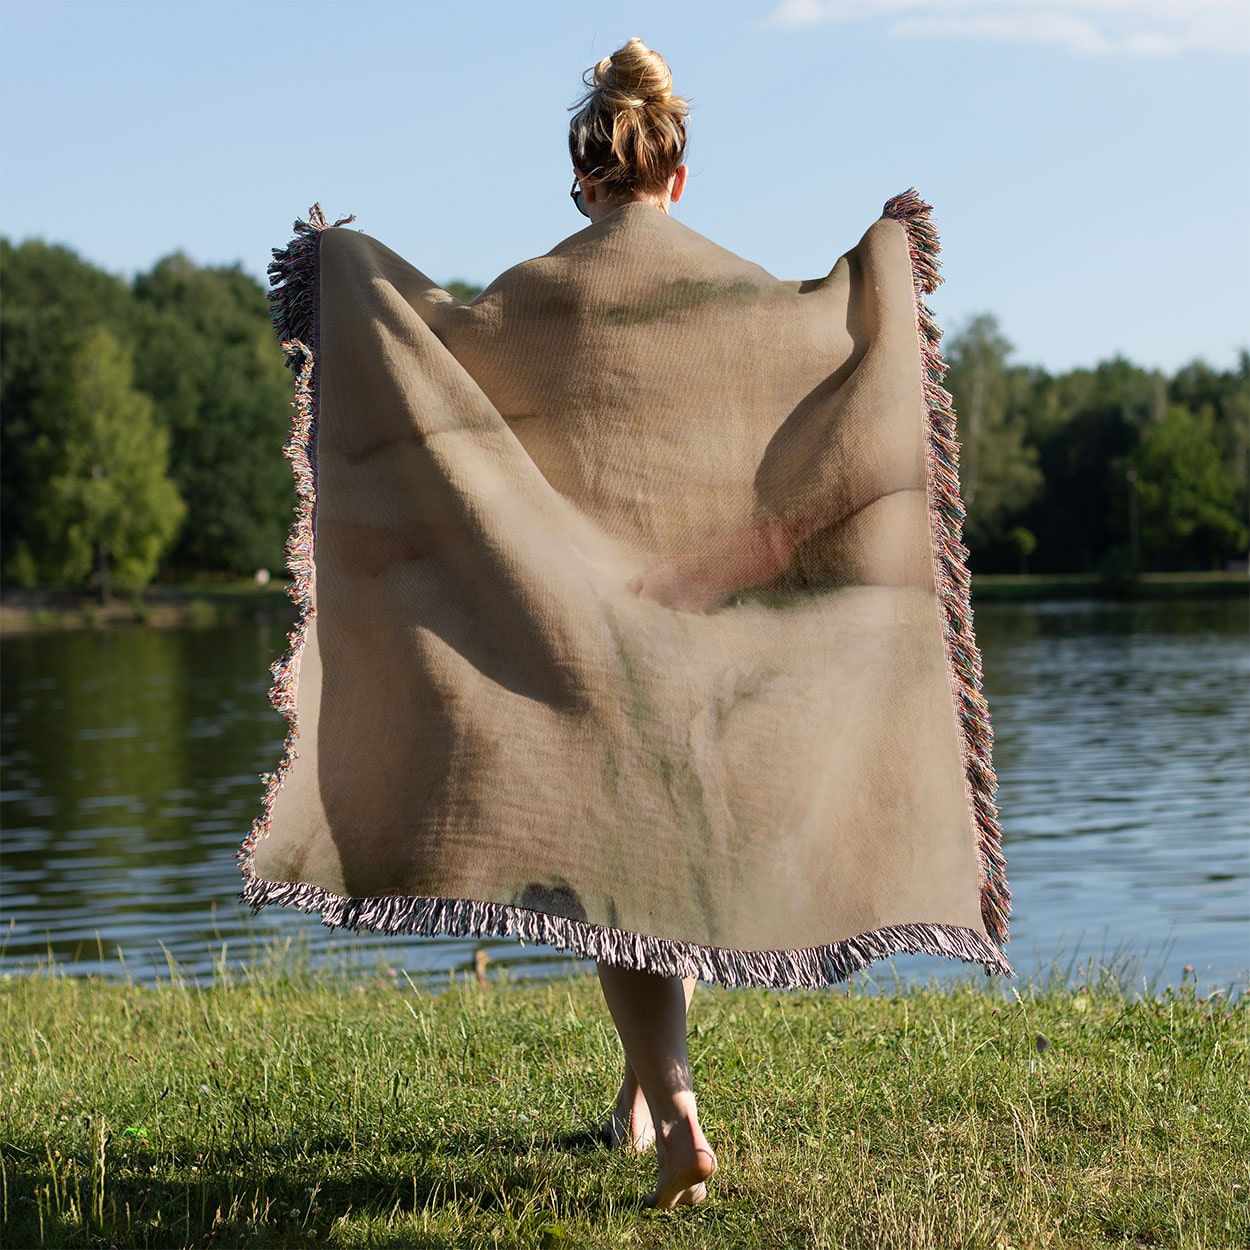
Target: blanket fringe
954, 582
810, 968
293, 302
293, 293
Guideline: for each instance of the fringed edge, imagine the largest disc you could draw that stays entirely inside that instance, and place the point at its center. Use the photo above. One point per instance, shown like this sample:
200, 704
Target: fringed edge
294, 289
811, 968
293, 303
950, 559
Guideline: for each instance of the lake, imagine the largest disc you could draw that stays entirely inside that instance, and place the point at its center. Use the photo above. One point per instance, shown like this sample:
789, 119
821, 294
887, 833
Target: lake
131, 759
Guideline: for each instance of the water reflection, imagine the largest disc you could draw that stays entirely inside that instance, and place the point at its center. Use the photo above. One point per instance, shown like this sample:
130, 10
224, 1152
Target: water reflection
1123, 740
131, 760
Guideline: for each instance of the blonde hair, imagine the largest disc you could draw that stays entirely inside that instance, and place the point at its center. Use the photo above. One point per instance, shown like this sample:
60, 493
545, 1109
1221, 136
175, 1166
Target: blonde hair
629, 131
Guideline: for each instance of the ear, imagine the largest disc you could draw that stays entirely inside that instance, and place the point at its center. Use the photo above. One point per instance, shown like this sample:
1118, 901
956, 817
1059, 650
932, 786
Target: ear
589, 186
678, 185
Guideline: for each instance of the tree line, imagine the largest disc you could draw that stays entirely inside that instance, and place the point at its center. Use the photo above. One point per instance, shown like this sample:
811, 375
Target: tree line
142, 423
1114, 470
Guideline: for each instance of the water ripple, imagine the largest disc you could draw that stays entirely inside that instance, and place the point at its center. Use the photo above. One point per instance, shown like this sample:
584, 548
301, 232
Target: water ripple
131, 763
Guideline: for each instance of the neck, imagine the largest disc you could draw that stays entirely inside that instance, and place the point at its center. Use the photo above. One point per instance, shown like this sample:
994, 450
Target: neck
603, 206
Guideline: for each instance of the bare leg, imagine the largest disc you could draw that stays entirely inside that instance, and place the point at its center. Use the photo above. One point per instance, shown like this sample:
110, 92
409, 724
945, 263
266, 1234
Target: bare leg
650, 1015
629, 1126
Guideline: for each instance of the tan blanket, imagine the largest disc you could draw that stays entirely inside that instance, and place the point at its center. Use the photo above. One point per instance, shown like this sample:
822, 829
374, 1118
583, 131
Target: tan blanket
635, 619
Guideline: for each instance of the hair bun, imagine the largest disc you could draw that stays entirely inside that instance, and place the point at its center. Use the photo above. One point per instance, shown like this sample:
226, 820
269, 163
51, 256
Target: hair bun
629, 129
633, 77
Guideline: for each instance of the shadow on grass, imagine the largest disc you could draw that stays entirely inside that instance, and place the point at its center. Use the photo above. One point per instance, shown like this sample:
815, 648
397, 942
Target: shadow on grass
295, 1194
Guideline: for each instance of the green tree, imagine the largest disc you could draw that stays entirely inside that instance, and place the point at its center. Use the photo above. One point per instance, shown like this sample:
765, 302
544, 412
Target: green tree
51, 296
1087, 423
1024, 543
103, 506
1223, 400
1186, 494
997, 467
207, 356
465, 292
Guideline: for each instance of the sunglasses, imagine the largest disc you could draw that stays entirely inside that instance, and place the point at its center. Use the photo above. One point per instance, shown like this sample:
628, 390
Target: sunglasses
576, 196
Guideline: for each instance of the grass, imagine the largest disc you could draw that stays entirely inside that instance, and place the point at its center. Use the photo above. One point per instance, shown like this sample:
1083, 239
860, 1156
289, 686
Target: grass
221, 601
284, 1108
198, 603
1012, 587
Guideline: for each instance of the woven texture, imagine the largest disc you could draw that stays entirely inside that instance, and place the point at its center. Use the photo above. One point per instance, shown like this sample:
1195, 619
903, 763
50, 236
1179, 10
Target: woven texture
634, 617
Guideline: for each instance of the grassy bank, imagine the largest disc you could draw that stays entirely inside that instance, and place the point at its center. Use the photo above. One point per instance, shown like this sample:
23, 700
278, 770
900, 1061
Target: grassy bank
1002, 587
166, 606
283, 1110
215, 603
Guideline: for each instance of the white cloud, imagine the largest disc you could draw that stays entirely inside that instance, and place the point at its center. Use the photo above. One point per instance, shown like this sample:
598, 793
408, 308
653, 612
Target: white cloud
1137, 28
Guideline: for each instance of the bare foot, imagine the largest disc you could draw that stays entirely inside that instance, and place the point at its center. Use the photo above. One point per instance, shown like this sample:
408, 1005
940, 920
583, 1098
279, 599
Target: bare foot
686, 1165
629, 1126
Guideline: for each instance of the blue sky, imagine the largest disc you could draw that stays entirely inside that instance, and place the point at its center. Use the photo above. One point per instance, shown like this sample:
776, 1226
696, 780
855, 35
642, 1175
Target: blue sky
1088, 159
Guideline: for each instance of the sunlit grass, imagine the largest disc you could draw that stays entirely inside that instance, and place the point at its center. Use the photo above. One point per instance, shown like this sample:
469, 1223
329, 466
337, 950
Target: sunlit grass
204, 602
280, 1107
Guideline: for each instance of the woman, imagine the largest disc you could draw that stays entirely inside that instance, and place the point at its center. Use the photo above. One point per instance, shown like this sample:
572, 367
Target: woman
628, 140
639, 624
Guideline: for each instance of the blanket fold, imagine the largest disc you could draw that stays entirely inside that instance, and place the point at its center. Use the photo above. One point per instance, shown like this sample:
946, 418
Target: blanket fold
633, 611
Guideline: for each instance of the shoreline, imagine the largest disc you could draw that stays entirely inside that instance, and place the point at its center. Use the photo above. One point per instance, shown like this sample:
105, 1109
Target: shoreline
1036, 587
204, 604
174, 606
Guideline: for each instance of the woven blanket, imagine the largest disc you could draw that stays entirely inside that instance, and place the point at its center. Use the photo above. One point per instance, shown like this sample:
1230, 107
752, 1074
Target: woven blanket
633, 612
